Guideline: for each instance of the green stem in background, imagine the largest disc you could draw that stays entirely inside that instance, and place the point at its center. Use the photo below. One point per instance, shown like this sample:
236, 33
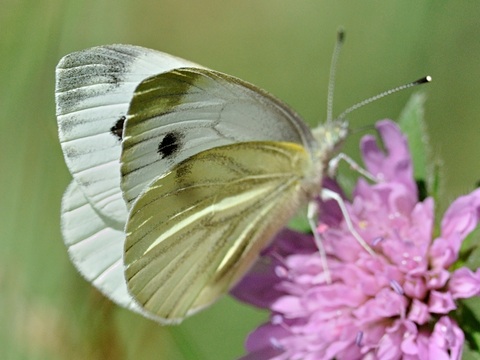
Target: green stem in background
185, 343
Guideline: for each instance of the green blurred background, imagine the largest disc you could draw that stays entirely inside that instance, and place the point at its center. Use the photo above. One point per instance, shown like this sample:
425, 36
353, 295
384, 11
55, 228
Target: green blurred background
47, 311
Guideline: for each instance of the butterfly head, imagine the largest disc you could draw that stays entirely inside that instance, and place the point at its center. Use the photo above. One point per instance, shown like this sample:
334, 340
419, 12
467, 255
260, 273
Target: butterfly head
330, 137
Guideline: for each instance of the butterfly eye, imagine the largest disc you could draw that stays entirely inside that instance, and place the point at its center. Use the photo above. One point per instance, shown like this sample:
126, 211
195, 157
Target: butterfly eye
169, 145
117, 129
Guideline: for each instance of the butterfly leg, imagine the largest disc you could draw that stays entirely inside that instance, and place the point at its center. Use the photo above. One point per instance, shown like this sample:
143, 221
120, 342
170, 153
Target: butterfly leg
333, 167
312, 215
327, 194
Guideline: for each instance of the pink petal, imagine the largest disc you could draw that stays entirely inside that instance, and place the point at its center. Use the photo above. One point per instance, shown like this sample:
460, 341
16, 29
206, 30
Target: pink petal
437, 278
422, 345
419, 312
259, 287
390, 345
464, 283
386, 303
422, 218
415, 287
288, 304
440, 303
343, 350
266, 337
443, 253
446, 341
395, 164
409, 345
460, 219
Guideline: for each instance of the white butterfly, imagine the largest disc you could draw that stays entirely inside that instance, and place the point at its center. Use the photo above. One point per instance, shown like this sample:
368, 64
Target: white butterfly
181, 175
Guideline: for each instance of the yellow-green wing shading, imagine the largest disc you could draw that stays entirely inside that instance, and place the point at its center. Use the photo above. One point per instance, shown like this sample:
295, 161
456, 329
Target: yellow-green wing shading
178, 114
197, 228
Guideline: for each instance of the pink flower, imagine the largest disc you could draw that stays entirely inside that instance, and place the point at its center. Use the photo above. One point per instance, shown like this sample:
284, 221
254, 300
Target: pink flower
394, 305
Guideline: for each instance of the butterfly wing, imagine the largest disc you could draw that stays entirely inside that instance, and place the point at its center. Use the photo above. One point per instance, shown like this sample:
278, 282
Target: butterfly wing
197, 228
171, 119
182, 112
93, 91
94, 247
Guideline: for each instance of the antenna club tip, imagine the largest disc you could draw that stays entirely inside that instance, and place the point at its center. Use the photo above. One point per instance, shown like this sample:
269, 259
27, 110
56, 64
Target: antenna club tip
425, 79
341, 35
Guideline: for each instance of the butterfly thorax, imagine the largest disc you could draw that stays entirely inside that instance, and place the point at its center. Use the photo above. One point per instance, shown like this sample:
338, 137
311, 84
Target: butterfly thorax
328, 140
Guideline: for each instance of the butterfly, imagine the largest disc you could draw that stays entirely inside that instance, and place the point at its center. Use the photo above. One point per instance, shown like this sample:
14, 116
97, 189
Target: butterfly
181, 175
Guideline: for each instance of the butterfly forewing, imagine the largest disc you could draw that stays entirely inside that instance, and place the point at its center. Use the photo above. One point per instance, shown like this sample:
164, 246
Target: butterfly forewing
197, 228
177, 114
93, 91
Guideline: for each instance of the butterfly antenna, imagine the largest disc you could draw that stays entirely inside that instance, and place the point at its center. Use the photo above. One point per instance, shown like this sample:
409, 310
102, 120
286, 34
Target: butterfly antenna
333, 70
423, 80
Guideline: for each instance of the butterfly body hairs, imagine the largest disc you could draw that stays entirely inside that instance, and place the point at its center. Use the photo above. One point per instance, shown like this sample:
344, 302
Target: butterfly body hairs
181, 175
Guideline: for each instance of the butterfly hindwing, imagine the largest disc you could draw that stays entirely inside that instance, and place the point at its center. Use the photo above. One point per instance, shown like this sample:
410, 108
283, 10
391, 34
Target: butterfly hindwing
197, 228
93, 91
94, 247
182, 112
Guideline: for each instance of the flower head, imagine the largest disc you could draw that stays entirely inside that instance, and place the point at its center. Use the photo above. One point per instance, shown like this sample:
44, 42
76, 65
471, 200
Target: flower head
393, 305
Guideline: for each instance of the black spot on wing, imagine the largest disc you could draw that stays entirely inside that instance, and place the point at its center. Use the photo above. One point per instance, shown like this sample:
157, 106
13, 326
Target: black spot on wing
169, 145
117, 129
